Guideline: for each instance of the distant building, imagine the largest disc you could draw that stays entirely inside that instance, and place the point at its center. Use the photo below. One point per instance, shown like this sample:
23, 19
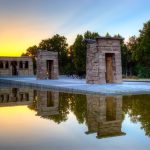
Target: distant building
16, 66
103, 61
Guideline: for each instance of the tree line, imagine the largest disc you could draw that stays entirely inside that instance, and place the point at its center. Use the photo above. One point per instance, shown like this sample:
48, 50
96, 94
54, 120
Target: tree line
72, 59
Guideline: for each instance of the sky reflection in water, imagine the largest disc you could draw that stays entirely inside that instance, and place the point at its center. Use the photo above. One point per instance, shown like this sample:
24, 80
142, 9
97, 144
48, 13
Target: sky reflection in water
42, 120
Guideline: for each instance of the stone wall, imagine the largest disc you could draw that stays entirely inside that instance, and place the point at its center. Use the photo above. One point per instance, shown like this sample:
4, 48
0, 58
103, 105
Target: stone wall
20, 65
96, 60
42, 70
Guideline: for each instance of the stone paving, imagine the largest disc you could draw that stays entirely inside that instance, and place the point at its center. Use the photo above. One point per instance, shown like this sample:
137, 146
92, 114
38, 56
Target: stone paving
65, 84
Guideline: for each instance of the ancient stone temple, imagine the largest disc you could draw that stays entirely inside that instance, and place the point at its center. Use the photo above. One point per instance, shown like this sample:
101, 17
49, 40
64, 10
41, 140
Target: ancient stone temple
16, 66
47, 65
103, 61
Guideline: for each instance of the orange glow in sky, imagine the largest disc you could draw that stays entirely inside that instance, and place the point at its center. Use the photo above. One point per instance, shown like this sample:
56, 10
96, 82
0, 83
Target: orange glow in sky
14, 40
24, 23
13, 47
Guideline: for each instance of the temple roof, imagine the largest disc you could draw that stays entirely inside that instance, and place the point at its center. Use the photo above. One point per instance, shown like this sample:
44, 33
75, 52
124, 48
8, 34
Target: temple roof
91, 41
112, 38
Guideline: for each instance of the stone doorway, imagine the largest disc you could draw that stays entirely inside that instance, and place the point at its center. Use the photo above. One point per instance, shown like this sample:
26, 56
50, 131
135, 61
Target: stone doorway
103, 60
14, 68
109, 67
49, 64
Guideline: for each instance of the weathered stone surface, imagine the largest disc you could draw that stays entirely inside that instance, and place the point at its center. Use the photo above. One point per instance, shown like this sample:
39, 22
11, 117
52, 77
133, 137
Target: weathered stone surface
18, 66
96, 60
43, 71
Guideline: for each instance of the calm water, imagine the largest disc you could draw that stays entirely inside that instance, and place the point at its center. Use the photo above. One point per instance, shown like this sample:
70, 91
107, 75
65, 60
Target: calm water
47, 120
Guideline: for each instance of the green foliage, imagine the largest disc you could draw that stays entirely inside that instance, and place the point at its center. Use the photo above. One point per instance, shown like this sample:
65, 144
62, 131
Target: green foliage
72, 60
143, 49
124, 58
57, 44
32, 51
78, 106
107, 35
137, 106
142, 71
128, 59
90, 35
136, 58
70, 102
79, 52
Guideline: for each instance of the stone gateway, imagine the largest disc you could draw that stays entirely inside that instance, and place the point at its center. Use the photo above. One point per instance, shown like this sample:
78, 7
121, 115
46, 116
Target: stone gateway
47, 65
103, 61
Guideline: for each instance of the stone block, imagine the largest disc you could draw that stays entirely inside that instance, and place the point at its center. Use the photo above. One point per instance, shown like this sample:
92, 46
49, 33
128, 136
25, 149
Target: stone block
96, 68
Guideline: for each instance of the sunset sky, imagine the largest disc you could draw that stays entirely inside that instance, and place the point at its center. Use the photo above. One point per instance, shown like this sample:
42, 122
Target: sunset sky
24, 23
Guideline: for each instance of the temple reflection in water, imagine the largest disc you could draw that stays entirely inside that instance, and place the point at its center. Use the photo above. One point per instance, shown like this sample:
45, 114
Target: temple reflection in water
102, 114
48, 103
15, 96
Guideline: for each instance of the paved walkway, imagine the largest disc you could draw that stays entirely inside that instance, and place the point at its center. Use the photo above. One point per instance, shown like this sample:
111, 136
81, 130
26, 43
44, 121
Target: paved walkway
80, 86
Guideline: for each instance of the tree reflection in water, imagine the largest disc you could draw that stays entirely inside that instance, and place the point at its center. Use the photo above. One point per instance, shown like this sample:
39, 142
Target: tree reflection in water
138, 108
101, 114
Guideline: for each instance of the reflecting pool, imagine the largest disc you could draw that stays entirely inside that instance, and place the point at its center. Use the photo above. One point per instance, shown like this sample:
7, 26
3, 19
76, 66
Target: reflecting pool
39, 119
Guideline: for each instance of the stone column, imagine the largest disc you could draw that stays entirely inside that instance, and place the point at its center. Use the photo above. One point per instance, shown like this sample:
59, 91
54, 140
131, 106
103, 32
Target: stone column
17, 66
10, 68
30, 68
23, 64
4, 65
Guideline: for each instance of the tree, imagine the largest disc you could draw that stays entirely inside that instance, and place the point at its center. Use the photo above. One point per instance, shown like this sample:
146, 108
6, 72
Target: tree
125, 56
124, 59
140, 48
137, 107
143, 50
70, 68
32, 52
107, 35
90, 35
79, 52
136, 54
57, 44
130, 57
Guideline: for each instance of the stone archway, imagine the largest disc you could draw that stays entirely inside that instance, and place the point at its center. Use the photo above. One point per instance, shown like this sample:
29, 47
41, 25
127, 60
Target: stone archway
109, 67
49, 64
103, 61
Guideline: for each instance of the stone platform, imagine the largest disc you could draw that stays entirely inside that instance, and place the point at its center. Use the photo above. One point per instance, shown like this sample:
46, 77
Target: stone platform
65, 84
